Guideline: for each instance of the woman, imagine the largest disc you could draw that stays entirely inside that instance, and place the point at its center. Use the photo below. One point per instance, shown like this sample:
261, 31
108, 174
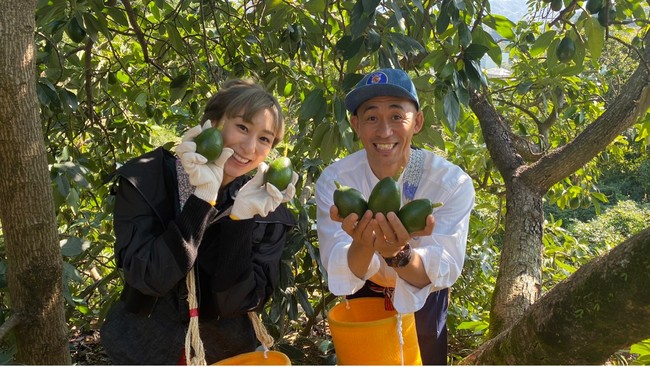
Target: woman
179, 214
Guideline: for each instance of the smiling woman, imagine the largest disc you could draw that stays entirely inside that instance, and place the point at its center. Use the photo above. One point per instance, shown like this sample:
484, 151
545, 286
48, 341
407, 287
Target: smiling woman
188, 265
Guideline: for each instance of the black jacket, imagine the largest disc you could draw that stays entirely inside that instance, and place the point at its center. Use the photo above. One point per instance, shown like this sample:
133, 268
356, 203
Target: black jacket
157, 243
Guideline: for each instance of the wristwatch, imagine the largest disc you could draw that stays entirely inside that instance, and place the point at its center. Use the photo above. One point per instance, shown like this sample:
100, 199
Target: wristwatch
401, 259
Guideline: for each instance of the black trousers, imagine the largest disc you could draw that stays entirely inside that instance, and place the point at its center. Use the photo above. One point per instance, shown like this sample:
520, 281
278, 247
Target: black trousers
430, 322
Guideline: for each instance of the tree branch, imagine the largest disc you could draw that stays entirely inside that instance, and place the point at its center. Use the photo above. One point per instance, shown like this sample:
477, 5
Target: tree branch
498, 137
620, 115
11, 322
599, 309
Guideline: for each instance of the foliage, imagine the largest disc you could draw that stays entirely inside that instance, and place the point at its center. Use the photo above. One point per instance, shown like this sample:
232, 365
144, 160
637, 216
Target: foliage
117, 78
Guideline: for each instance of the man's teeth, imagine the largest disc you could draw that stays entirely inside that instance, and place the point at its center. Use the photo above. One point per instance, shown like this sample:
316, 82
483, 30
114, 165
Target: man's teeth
384, 146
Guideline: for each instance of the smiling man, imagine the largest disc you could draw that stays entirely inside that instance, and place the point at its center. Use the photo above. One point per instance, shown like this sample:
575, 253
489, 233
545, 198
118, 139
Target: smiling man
375, 256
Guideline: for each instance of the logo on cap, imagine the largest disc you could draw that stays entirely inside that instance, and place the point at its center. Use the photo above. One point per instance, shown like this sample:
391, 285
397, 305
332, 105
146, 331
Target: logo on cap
377, 78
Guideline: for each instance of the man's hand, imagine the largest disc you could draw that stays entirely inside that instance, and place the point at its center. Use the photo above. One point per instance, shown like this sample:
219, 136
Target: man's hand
391, 235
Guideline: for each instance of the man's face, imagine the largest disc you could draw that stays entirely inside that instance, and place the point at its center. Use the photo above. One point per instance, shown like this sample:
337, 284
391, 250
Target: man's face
386, 126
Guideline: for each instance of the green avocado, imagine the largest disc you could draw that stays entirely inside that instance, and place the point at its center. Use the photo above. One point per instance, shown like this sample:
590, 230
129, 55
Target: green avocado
74, 31
209, 143
606, 15
112, 78
279, 173
349, 200
556, 5
385, 197
413, 215
565, 49
594, 6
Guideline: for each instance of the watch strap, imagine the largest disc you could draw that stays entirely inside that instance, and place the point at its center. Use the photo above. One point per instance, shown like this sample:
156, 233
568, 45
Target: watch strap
401, 259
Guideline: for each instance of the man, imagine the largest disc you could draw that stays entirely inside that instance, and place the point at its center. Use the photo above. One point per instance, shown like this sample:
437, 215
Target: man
376, 256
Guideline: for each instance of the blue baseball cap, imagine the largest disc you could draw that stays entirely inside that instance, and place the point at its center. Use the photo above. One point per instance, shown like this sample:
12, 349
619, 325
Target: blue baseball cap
383, 82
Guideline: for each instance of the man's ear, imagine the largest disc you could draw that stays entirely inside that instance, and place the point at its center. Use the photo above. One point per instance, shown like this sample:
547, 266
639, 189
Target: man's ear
419, 121
354, 122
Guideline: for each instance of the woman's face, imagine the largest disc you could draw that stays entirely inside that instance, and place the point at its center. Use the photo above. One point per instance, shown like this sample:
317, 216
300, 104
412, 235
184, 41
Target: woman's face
251, 142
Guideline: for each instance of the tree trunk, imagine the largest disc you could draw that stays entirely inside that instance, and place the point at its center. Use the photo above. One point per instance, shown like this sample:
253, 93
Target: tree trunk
35, 266
601, 308
518, 282
520, 270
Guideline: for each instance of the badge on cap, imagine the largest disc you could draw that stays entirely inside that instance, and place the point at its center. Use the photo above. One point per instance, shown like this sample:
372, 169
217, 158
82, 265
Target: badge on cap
377, 78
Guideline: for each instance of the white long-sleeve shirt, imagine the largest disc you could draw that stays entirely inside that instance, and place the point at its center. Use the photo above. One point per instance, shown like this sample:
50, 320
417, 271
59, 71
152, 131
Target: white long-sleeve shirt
442, 253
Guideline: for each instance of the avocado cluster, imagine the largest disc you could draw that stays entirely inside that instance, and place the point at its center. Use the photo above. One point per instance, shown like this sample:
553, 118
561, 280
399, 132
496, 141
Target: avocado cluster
385, 197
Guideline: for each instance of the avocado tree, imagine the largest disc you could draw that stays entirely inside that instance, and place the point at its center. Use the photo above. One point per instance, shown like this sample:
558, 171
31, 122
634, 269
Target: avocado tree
114, 78
34, 264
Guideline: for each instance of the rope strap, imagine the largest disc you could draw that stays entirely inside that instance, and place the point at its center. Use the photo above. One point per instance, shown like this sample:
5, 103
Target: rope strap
261, 333
194, 351
400, 336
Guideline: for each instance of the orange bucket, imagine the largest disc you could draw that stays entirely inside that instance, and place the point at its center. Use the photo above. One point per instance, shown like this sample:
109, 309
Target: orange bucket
257, 358
365, 333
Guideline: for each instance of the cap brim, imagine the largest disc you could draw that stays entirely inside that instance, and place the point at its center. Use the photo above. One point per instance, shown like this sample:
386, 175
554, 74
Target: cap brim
361, 94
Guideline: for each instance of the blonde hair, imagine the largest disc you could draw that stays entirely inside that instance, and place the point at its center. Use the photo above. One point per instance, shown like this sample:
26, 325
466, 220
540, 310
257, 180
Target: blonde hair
245, 98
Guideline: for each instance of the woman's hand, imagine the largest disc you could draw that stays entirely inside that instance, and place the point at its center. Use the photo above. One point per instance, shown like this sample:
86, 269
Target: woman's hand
205, 176
256, 197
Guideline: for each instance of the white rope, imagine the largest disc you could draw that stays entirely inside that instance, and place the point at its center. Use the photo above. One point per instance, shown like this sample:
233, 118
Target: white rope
400, 336
261, 333
193, 343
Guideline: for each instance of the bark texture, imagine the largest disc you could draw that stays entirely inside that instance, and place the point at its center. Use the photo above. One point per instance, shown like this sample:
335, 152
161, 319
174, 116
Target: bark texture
35, 266
601, 308
518, 282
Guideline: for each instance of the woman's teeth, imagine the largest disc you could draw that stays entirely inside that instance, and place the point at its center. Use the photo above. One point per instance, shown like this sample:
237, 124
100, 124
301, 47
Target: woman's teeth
384, 146
240, 159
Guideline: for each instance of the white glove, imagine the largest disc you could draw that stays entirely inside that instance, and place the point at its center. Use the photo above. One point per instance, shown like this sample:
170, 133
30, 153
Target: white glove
255, 197
290, 191
206, 177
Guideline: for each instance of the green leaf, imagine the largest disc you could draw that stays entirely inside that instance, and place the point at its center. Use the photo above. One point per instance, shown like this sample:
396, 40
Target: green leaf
71, 273
542, 43
443, 20
524, 86
303, 299
475, 51
95, 25
474, 73
464, 35
349, 47
313, 104
69, 99
319, 134
405, 43
328, 147
73, 246
315, 6
600, 197
174, 36
595, 35
180, 81
118, 16
362, 14
46, 93
642, 348
481, 37
451, 108
436, 59
501, 25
